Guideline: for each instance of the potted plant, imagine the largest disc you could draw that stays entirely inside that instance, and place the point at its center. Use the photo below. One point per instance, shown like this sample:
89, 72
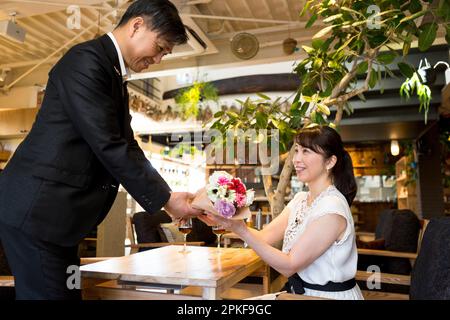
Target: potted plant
420, 81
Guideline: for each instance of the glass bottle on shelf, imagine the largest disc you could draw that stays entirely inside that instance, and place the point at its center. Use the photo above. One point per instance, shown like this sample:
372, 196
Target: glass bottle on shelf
258, 222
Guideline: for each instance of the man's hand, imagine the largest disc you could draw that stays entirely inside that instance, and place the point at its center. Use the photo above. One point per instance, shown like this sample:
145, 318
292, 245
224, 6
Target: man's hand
179, 205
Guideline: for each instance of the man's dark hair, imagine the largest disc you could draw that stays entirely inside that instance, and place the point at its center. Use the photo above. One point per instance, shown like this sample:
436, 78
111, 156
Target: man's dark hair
160, 16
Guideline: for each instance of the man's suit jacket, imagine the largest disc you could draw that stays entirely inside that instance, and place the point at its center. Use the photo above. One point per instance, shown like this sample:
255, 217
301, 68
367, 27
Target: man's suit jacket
63, 178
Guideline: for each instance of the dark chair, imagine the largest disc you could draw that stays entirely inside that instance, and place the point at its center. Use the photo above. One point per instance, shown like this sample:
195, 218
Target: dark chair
430, 278
397, 231
147, 225
146, 233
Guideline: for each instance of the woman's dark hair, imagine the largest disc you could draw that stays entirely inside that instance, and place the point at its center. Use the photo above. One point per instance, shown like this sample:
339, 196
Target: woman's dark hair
160, 16
326, 141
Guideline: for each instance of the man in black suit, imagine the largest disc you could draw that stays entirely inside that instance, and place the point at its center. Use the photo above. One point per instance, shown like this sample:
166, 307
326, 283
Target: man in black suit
63, 178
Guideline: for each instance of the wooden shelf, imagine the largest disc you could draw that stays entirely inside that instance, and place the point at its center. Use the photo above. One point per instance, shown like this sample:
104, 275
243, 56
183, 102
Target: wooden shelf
406, 193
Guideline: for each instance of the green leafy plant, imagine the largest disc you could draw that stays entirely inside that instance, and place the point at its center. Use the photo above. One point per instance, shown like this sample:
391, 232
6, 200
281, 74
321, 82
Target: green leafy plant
423, 92
189, 98
358, 38
181, 149
261, 113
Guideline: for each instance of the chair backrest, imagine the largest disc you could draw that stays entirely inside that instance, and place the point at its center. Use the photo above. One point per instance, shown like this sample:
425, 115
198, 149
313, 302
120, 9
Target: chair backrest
423, 227
144, 227
131, 231
384, 219
430, 277
402, 231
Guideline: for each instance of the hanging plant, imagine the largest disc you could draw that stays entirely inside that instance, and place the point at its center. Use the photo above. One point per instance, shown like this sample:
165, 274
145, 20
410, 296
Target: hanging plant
423, 92
189, 98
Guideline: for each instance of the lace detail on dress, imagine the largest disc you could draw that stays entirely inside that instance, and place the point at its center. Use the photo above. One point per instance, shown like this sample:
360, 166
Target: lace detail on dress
302, 212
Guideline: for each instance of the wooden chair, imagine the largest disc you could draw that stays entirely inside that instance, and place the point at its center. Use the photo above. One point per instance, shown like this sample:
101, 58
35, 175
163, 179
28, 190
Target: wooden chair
135, 246
412, 256
386, 278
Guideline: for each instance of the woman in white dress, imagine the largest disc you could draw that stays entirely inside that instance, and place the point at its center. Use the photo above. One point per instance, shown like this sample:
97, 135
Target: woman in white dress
319, 253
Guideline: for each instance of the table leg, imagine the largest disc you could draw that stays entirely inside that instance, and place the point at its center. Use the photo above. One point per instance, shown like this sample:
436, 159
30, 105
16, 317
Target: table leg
211, 294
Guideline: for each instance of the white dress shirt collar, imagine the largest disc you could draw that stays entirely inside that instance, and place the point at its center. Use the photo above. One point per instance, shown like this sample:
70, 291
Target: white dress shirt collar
123, 69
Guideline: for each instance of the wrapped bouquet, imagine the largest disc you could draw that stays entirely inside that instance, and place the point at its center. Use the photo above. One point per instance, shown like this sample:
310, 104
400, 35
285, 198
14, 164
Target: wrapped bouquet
225, 196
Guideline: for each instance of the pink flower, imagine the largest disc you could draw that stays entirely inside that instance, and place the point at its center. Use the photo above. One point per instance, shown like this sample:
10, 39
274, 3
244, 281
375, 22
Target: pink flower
222, 181
241, 200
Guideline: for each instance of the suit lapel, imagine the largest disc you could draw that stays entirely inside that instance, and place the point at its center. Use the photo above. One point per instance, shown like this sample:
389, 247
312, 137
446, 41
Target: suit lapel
113, 57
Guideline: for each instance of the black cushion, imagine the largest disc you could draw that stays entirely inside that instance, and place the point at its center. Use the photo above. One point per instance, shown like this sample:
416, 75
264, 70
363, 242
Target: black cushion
430, 278
401, 236
384, 219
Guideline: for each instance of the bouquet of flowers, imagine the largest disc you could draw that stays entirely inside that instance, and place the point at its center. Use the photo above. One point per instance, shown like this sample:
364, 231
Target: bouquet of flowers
225, 196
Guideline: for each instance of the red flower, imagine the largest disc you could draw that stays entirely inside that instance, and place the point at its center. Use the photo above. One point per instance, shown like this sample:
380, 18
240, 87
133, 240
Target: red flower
238, 186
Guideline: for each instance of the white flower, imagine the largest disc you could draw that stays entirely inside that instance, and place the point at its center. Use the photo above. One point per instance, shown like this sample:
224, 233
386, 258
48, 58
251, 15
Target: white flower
221, 192
231, 196
212, 193
250, 195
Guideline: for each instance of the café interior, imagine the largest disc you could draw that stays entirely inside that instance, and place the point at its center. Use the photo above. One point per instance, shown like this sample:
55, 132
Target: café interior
240, 50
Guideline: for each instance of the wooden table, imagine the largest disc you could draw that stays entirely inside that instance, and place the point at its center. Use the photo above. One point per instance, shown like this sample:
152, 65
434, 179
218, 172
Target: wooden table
209, 268
229, 237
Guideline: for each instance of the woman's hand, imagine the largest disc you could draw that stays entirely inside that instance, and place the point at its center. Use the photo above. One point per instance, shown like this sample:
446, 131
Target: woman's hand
237, 226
